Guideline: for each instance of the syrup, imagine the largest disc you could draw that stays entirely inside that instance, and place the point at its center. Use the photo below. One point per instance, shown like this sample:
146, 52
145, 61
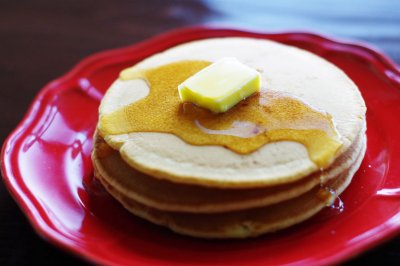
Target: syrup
264, 117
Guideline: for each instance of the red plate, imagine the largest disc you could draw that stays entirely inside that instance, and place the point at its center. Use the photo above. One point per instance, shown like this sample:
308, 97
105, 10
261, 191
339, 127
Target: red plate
47, 168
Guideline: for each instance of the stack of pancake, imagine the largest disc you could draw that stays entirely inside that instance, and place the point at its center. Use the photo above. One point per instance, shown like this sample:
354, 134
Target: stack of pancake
212, 191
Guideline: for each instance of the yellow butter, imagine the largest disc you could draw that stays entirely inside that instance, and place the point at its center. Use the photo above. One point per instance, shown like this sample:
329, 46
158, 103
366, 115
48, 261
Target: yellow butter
221, 85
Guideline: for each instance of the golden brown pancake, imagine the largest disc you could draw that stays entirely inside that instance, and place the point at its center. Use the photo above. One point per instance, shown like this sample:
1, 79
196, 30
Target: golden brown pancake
169, 196
244, 223
320, 84
206, 189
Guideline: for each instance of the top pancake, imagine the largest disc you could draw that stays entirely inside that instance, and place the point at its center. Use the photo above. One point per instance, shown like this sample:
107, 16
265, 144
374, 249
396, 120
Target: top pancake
283, 68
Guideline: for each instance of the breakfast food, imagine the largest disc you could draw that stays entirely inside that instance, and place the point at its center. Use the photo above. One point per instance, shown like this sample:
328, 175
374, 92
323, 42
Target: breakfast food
221, 85
273, 160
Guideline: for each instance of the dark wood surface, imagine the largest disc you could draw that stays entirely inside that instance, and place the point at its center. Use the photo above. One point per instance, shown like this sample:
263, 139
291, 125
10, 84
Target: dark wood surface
40, 40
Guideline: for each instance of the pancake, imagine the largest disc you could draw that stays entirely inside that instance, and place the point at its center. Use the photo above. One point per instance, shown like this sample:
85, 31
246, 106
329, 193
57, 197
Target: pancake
166, 156
169, 196
178, 166
244, 223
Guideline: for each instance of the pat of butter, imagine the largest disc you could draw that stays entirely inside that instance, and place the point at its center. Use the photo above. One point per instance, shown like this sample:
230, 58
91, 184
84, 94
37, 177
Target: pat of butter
221, 85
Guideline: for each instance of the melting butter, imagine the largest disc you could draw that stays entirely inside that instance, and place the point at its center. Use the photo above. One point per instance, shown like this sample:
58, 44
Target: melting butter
221, 85
265, 117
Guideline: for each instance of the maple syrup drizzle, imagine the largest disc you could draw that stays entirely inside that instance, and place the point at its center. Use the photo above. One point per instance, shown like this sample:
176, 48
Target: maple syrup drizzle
264, 117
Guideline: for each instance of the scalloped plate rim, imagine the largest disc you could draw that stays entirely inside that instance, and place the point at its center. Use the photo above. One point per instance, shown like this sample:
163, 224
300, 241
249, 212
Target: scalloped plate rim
46, 232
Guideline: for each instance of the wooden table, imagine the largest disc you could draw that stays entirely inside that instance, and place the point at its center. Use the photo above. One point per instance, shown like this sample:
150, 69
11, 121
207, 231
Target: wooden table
40, 40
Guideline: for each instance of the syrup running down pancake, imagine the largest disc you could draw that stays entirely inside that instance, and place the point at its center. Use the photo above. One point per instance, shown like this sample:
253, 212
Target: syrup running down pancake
284, 69
265, 117
170, 196
234, 224
256, 168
